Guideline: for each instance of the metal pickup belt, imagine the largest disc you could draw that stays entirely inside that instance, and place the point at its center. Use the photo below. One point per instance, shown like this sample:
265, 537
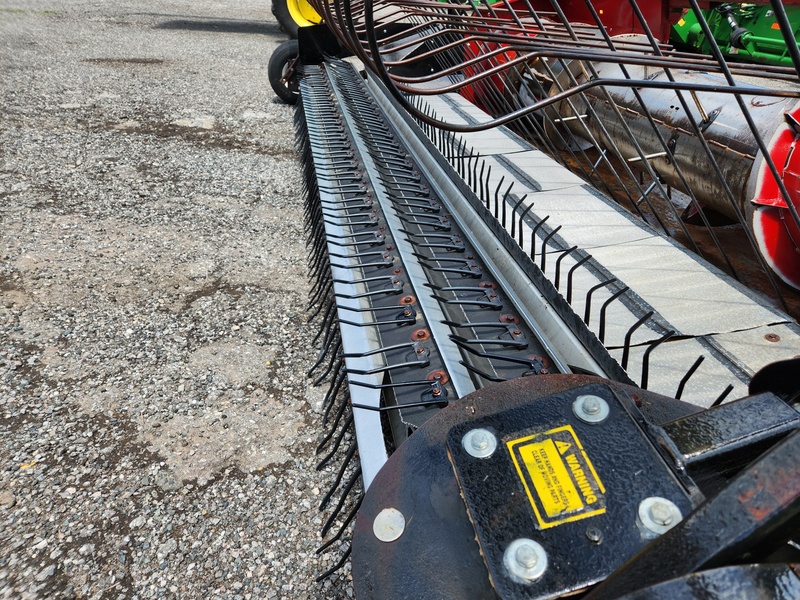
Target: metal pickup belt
413, 310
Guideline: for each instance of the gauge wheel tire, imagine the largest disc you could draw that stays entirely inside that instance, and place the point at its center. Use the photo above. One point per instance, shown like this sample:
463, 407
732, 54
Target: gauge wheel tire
280, 10
280, 63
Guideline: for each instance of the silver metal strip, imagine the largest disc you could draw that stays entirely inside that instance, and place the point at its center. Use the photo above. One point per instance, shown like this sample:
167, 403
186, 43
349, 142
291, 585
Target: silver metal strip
564, 348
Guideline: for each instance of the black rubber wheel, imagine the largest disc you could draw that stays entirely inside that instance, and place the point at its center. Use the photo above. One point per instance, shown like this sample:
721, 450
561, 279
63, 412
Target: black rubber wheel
280, 11
282, 76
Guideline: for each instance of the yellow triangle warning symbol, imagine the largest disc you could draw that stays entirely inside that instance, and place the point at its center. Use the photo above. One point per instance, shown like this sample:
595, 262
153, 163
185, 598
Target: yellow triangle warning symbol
563, 447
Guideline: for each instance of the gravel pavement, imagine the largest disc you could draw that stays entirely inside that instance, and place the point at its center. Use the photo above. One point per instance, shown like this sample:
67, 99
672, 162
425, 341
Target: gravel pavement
156, 425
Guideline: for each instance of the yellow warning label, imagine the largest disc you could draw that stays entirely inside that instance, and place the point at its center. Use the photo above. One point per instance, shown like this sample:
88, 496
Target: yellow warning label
558, 477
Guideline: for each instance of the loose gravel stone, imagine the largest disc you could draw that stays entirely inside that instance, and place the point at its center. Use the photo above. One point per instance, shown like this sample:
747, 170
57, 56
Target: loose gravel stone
157, 430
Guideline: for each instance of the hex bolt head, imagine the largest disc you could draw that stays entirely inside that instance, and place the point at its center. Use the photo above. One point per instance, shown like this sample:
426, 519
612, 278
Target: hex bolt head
590, 409
657, 515
591, 405
525, 560
479, 443
661, 514
389, 525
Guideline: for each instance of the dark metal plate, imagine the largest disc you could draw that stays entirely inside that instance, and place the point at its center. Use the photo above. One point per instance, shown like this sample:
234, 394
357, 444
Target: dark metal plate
574, 487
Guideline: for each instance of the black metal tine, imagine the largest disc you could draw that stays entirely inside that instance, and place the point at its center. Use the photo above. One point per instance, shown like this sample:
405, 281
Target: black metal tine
497, 194
423, 360
409, 317
602, 329
336, 420
322, 293
481, 179
514, 213
319, 297
571, 272
347, 520
722, 396
333, 391
464, 343
459, 288
494, 304
372, 309
337, 441
483, 374
381, 350
470, 171
348, 487
485, 185
465, 272
460, 154
544, 246
337, 566
424, 403
533, 235
500, 324
334, 358
497, 342
627, 348
588, 311
329, 314
646, 357
688, 375
396, 288
387, 261
478, 159
331, 334
351, 452
557, 278
342, 431
505, 205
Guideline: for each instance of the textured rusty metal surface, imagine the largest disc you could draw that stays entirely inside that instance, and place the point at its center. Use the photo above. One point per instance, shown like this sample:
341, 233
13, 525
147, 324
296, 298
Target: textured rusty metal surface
758, 510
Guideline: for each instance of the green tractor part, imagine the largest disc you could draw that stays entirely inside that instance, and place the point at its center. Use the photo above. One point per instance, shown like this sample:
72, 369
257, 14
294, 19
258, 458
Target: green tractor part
743, 32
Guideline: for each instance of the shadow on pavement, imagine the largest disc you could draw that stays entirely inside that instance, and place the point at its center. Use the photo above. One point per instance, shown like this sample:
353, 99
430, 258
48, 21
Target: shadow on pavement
222, 26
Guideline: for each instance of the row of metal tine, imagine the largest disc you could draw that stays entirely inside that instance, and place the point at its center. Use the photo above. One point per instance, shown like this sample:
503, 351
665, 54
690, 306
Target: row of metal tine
512, 211
338, 441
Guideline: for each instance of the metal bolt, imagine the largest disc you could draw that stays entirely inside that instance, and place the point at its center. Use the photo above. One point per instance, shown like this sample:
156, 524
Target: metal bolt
657, 515
526, 556
594, 535
590, 409
525, 560
389, 525
591, 405
480, 443
661, 514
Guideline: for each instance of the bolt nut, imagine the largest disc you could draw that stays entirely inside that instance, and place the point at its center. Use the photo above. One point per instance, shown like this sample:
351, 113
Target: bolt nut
590, 409
525, 560
480, 443
657, 515
389, 525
